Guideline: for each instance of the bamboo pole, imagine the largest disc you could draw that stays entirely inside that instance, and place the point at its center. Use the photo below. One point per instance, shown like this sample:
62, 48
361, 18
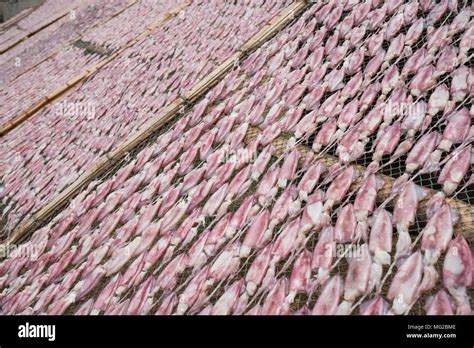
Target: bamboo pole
166, 114
466, 211
18, 120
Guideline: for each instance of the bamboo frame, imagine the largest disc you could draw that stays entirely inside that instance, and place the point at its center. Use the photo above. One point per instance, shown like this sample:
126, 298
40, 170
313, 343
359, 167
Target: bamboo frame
165, 114
18, 120
70, 42
466, 211
35, 31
